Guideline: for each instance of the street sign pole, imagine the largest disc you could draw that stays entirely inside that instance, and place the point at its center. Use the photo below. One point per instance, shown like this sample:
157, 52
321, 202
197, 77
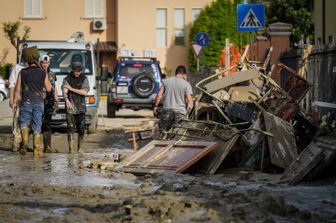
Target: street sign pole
251, 46
197, 64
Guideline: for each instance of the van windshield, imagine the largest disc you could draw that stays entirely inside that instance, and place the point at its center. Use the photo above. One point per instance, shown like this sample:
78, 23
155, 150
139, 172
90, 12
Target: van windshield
61, 60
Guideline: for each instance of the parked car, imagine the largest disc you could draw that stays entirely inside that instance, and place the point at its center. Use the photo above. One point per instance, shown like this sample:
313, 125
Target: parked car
135, 84
4, 92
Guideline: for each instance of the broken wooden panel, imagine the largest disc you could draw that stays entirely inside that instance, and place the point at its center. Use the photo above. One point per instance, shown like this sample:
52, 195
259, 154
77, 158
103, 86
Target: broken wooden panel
297, 87
225, 135
211, 162
293, 84
288, 111
244, 93
280, 104
305, 162
167, 156
328, 146
282, 145
238, 77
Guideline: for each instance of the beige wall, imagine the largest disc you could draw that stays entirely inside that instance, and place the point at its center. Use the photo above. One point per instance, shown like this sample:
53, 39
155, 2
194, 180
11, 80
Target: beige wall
131, 23
61, 18
330, 18
137, 28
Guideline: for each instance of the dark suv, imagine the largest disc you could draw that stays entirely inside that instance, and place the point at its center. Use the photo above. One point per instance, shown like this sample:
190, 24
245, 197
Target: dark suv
135, 83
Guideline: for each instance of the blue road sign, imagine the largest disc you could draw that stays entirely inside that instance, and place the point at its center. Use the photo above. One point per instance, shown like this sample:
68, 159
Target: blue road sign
250, 17
202, 39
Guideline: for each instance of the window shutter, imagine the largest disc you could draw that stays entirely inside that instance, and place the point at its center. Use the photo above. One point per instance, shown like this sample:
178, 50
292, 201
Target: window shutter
94, 8
33, 9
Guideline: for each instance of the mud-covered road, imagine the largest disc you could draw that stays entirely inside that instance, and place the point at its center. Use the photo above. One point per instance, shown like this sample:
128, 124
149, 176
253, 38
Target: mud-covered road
63, 188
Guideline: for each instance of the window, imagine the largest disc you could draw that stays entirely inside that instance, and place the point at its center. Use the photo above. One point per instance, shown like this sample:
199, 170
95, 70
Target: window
61, 60
32, 9
194, 14
179, 26
161, 27
94, 9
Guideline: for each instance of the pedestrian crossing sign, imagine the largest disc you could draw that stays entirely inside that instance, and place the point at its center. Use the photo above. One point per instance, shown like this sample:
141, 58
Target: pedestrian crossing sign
250, 17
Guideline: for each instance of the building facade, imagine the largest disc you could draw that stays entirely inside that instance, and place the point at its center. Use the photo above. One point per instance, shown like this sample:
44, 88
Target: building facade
324, 18
154, 28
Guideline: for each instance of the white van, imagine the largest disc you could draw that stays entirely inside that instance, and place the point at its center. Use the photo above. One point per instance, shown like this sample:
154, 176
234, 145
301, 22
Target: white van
62, 54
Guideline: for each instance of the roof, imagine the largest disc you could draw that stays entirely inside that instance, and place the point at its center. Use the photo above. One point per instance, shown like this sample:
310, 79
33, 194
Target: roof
59, 44
106, 46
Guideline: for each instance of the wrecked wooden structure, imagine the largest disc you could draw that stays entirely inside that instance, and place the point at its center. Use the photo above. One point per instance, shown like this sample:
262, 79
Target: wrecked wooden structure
255, 121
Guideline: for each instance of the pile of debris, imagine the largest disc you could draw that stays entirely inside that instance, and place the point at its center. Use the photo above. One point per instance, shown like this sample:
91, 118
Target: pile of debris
254, 121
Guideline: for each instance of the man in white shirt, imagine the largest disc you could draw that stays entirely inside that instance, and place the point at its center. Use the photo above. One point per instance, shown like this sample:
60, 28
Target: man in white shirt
15, 127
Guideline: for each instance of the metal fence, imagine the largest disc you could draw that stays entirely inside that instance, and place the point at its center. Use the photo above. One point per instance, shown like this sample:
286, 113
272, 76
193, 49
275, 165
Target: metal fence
320, 71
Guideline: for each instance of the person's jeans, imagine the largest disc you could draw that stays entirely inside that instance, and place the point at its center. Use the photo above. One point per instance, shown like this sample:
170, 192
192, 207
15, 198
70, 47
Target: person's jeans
31, 114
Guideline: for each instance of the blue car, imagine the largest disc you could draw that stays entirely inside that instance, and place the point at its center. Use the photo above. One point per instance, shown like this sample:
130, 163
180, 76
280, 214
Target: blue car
135, 83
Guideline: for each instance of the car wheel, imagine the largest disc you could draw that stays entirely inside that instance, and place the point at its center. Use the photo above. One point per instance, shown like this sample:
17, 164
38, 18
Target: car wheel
111, 111
93, 126
2, 96
143, 85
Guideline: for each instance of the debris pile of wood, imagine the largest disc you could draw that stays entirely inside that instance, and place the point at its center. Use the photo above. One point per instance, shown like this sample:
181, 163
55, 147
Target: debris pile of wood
256, 119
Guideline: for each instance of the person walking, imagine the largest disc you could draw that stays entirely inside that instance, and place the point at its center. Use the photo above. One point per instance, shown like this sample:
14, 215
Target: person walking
15, 125
177, 102
75, 87
29, 86
50, 105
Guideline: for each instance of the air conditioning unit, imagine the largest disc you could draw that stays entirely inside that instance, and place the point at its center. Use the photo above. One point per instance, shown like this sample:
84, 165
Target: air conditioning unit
149, 53
99, 24
127, 53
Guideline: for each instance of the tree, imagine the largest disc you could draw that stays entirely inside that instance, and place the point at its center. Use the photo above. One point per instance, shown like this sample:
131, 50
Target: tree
11, 32
218, 20
296, 12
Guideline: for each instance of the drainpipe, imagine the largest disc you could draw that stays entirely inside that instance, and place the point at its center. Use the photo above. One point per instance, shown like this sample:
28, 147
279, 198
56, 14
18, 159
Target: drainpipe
98, 54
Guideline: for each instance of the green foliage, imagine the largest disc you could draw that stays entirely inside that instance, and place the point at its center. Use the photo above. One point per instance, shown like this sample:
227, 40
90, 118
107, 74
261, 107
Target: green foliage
11, 32
218, 20
3, 69
296, 12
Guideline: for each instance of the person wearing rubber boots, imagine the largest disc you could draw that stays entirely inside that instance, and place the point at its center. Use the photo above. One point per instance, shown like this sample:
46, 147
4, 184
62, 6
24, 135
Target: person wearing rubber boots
177, 102
75, 87
50, 105
30, 85
16, 121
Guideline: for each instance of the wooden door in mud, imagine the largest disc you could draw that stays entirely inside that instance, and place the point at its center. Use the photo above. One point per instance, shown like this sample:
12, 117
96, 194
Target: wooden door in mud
167, 156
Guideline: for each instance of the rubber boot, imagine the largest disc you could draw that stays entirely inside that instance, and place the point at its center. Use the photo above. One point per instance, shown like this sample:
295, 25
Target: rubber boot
71, 142
25, 140
37, 145
47, 143
80, 144
17, 141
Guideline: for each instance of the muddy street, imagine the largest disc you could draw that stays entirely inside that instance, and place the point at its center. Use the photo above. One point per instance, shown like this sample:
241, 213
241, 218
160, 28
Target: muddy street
66, 188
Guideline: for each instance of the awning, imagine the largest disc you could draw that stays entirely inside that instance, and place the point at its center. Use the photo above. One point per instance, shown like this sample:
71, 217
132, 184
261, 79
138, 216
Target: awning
106, 46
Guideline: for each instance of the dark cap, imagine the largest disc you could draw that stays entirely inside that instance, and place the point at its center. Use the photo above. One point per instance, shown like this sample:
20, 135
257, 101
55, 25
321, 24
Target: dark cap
76, 66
